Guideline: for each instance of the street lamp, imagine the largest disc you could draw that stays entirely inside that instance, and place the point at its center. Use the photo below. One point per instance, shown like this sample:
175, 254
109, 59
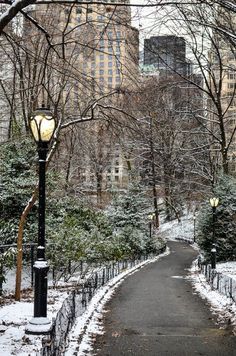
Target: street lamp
214, 203
150, 217
42, 124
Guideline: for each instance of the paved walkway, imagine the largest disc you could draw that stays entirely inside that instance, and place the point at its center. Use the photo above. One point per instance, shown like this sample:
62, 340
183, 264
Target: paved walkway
155, 313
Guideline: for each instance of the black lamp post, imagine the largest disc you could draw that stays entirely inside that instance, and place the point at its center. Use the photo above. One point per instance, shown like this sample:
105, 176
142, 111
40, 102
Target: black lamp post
42, 124
150, 217
214, 203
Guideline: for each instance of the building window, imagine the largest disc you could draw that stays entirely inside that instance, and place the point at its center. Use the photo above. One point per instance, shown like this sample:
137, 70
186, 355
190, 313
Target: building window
101, 56
117, 79
79, 10
101, 64
101, 72
101, 79
110, 57
100, 18
109, 79
110, 49
90, 10
109, 71
110, 64
231, 75
116, 170
231, 85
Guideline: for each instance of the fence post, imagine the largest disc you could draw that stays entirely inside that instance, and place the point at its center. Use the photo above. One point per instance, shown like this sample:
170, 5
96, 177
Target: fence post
231, 288
96, 281
1, 275
84, 299
218, 281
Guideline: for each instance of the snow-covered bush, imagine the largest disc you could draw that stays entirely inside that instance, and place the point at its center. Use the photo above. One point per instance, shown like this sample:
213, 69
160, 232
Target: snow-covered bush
17, 181
128, 216
225, 227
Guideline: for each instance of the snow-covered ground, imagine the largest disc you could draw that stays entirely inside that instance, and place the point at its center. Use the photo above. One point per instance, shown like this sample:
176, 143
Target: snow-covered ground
15, 315
228, 268
224, 307
183, 230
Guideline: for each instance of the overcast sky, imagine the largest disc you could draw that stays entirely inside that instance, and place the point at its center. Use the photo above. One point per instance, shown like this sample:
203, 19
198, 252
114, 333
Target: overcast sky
152, 21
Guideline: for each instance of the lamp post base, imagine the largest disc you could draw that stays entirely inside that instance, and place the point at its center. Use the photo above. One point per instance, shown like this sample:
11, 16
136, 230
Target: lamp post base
39, 325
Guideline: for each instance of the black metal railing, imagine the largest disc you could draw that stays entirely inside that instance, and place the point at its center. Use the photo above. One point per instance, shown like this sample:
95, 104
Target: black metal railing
219, 281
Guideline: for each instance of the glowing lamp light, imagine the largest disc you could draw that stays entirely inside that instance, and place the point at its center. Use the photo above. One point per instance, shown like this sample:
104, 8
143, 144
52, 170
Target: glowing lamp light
214, 202
42, 125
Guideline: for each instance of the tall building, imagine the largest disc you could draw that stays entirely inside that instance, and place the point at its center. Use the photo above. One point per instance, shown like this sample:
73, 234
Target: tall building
97, 53
222, 79
167, 54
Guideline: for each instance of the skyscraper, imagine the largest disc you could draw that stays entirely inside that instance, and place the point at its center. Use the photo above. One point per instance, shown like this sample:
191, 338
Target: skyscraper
167, 54
222, 80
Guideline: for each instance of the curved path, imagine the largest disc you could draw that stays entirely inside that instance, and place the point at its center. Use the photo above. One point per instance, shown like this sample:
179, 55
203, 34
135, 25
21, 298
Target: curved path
155, 312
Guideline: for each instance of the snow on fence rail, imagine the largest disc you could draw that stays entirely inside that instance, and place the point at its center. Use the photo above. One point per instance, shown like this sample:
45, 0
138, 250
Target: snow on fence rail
75, 304
189, 241
219, 281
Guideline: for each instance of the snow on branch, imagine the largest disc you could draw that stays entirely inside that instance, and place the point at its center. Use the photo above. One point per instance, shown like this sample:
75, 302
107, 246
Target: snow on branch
12, 11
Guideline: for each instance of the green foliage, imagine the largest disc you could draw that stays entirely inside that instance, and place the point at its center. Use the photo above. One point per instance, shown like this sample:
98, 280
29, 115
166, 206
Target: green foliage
225, 225
128, 216
7, 260
17, 181
74, 231
129, 209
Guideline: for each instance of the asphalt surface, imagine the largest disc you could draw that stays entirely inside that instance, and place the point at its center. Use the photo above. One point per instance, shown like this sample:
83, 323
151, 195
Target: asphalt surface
155, 312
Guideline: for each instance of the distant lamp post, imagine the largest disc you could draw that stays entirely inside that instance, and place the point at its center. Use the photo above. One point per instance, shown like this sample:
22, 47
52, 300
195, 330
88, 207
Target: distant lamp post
151, 219
42, 124
214, 203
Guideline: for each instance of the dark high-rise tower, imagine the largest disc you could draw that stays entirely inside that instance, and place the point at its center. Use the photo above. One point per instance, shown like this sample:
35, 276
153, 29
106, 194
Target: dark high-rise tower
167, 54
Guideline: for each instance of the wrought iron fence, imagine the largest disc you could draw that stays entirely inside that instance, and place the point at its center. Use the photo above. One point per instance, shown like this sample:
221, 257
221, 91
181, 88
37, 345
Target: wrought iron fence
219, 281
75, 304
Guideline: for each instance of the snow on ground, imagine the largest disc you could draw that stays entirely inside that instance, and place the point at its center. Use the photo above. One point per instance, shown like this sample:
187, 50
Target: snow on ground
13, 319
224, 307
228, 268
221, 305
175, 230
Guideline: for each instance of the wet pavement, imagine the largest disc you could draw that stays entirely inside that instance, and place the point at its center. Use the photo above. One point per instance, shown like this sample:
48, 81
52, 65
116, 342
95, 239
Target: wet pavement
155, 312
